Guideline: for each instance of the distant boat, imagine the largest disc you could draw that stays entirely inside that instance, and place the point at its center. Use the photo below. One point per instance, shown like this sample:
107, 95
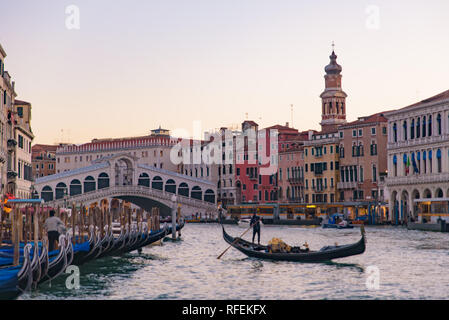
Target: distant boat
245, 223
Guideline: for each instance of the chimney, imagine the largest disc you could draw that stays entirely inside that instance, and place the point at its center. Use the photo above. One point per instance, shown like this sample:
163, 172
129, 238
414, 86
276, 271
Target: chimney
287, 124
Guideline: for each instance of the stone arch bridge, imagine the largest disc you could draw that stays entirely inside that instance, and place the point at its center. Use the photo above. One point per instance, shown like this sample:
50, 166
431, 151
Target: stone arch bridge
122, 177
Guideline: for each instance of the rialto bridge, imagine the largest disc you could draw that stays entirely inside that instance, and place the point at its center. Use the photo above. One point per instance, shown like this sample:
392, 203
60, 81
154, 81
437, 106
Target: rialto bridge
121, 177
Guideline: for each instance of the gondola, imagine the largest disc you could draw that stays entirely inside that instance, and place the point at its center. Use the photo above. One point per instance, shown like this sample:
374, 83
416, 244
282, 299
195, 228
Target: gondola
95, 247
327, 253
58, 261
154, 236
82, 250
36, 264
43, 263
107, 245
69, 249
16, 280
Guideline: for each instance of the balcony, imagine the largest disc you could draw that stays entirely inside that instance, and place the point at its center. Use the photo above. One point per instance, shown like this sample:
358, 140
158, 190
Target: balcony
296, 181
417, 142
418, 179
12, 143
12, 175
347, 185
253, 177
318, 188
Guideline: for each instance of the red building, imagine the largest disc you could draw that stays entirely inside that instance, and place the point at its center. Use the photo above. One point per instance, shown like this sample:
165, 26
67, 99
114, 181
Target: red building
257, 162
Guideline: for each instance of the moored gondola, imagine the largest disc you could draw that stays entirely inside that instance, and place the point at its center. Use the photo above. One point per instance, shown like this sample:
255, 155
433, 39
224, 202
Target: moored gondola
325, 254
16, 280
58, 261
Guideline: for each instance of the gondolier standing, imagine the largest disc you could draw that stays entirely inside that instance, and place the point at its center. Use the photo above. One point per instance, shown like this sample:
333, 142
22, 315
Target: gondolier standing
255, 223
53, 225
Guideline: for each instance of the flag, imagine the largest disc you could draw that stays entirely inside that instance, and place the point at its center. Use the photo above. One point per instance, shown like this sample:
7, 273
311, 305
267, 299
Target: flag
415, 167
407, 166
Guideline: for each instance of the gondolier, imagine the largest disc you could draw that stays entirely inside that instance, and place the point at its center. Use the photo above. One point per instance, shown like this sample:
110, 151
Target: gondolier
54, 227
255, 223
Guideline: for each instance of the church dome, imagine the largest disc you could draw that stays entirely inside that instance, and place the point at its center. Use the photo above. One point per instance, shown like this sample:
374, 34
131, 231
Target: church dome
333, 67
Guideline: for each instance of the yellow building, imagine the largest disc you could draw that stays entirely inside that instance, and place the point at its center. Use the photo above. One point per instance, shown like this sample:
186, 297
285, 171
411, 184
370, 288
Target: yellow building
321, 168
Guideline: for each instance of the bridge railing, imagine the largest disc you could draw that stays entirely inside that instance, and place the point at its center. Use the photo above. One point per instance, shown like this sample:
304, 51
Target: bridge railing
133, 189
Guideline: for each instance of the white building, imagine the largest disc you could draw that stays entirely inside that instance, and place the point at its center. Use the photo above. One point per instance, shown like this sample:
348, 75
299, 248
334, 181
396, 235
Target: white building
153, 150
418, 160
23, 160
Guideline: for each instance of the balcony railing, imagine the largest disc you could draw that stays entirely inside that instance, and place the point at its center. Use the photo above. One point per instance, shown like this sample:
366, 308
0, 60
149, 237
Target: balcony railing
11, 174
418, 179
296, 180
12, 143
347, 185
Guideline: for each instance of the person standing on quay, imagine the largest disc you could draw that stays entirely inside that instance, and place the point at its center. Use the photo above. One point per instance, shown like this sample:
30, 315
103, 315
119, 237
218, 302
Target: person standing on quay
255, 223
53, 225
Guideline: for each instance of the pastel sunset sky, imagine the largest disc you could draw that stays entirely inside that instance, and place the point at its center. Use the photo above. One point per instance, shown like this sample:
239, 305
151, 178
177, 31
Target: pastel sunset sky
134, 65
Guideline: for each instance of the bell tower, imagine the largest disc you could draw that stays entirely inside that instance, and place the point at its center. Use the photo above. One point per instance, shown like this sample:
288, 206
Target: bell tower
333, 98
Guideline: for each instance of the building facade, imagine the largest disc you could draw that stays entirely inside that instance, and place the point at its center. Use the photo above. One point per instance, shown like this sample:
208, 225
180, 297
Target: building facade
321, 168
153, 150
43, 160
21, 184
418, 160
363, 158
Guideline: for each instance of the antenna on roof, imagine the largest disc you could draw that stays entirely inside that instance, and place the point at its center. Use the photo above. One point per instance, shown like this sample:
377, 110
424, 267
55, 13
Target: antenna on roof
292, 115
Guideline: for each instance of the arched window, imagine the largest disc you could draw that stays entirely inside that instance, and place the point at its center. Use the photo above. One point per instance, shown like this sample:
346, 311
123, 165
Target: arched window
412, 129
404, 125
157, 183
418, 127
183, 189
170, 186
395, 165
430, 126
47, 194
423, 126
61, 190
103, 181
75, 187
439, 124
209, 196
144, 180
395, 132
439, 160
89, 184
196, 193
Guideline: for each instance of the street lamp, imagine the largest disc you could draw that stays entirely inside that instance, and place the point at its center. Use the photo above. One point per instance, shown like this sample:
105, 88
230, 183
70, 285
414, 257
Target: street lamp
219, 212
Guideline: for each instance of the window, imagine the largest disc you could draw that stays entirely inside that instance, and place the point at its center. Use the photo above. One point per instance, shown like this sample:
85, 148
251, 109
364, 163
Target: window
404, 126
439, 124
354, 133
374, 173
20, 111
395, 132
373, 131
360, 132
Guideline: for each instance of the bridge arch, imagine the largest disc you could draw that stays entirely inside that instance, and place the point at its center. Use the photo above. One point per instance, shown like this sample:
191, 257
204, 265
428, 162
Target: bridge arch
157, 183
89, 184
196, 193
47, 193
170, 186
144, 180
103, 181
209, 196
75, 187
183, 190
60, 190
124, 171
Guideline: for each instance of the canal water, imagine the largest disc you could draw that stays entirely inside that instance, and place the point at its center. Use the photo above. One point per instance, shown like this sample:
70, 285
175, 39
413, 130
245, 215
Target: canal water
410, 265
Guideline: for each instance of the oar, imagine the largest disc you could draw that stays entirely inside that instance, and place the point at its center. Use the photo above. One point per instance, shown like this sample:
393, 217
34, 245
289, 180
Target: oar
236, 240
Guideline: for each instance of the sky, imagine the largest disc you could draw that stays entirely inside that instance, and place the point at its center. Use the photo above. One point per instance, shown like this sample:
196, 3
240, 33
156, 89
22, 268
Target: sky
135, 65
